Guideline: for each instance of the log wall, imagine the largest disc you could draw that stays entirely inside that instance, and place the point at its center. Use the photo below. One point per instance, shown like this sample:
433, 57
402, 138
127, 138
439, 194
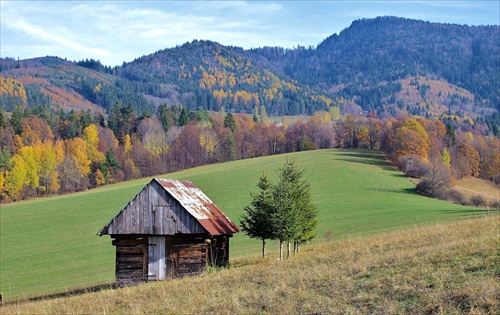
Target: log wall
131, 260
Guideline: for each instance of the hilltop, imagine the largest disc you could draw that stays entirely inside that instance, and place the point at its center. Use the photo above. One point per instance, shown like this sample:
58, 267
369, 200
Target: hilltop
385, 65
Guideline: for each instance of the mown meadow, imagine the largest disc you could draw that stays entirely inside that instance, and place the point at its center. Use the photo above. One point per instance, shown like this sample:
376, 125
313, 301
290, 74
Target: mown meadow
50, 244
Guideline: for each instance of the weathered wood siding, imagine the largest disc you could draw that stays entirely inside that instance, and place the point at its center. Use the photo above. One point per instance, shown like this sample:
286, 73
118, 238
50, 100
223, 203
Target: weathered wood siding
189, 259
154, 212
142, 258
131, 260
156, 258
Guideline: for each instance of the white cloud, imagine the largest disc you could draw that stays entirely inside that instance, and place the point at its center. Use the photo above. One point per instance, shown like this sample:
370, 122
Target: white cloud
44, 35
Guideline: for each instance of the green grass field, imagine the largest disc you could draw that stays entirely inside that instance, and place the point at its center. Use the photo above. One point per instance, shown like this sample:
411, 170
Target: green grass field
50, 244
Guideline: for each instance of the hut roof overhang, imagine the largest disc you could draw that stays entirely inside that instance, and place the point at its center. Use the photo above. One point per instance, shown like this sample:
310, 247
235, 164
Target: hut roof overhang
195, 202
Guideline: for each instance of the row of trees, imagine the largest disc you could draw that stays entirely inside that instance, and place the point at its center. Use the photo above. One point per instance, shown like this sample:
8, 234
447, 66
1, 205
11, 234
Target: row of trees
48, 152
282, 211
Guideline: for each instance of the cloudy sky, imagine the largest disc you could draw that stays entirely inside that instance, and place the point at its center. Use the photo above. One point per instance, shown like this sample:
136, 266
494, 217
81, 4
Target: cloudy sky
118, 31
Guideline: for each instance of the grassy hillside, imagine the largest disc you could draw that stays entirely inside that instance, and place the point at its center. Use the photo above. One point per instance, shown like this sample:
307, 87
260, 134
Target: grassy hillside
449, 268
50, 244
472, 186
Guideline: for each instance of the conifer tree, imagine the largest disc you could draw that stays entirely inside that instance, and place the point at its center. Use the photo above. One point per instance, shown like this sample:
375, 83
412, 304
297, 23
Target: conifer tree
295, 213
256, 222
283, 211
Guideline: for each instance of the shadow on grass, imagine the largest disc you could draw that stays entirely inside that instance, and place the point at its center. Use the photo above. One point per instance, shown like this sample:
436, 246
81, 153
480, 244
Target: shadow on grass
470, 212
365, 157
64, 294
369, 161
406, 191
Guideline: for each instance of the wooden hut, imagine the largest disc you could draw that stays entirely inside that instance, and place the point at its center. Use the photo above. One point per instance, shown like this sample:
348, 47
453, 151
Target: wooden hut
169, 229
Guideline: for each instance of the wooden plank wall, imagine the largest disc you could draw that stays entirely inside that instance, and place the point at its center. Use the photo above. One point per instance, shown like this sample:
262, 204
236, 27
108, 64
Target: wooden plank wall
184, 255
156, 258
154, 212
190, 259
131, 260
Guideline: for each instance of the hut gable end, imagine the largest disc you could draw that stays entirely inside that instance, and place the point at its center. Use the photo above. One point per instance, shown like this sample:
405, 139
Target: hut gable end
153, 212
169, 207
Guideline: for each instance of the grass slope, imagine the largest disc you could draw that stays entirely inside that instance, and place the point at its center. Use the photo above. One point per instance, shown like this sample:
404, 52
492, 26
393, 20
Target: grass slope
449, 268
50, 244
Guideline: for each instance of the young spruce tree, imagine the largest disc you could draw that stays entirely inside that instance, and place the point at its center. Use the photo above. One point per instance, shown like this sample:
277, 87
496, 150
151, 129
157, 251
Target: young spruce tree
284, 211
256, 222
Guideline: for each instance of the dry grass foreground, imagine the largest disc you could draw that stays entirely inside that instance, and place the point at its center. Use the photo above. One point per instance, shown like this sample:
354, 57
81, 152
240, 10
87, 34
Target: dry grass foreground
450, 268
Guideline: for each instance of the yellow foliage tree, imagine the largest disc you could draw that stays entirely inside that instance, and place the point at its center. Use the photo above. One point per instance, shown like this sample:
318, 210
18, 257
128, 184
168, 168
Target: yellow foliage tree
127, 144
77, 148
91, 137
14, 179
53, 182
32, 165
99, 178
59, 151
46, 158
406, 141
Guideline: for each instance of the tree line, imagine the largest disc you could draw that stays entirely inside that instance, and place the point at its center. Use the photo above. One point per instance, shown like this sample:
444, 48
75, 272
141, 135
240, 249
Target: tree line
44, 151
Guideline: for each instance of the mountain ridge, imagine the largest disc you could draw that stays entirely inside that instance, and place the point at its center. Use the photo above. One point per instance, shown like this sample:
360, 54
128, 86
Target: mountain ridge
360, 69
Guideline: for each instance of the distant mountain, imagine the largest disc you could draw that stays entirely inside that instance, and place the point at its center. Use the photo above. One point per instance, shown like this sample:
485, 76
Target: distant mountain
365, 60
385, 65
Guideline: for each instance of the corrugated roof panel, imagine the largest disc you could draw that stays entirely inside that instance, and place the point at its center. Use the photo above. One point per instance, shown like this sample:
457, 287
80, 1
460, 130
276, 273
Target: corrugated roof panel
199, 206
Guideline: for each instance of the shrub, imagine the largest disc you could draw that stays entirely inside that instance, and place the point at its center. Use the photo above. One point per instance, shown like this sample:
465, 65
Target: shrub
412, 165
478, 201
495, 205
426, 188
456, 197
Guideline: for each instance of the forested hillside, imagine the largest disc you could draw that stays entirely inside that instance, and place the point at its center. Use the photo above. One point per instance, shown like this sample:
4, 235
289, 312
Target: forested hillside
385, 65
369, 61
422, 92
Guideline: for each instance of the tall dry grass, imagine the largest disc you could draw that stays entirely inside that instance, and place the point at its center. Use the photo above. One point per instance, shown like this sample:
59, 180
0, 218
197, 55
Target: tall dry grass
450, 268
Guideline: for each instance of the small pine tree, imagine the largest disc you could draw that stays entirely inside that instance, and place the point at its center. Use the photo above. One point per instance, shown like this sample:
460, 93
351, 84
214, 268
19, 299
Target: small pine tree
284, 211
295, 217
256, 222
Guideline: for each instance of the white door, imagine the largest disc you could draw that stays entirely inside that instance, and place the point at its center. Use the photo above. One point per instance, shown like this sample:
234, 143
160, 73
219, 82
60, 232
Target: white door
156, 258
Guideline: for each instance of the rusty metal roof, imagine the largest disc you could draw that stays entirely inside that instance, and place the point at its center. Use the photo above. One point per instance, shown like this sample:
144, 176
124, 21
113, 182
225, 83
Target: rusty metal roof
199, 206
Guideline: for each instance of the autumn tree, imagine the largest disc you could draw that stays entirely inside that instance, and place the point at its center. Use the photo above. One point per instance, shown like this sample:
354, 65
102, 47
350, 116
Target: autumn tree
91, 137
436, 178
373, 136
35, 129
77, 149
15, 178
465, 161
47, 162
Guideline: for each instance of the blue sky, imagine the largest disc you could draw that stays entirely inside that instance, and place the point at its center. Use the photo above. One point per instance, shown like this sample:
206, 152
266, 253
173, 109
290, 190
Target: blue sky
118, 31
